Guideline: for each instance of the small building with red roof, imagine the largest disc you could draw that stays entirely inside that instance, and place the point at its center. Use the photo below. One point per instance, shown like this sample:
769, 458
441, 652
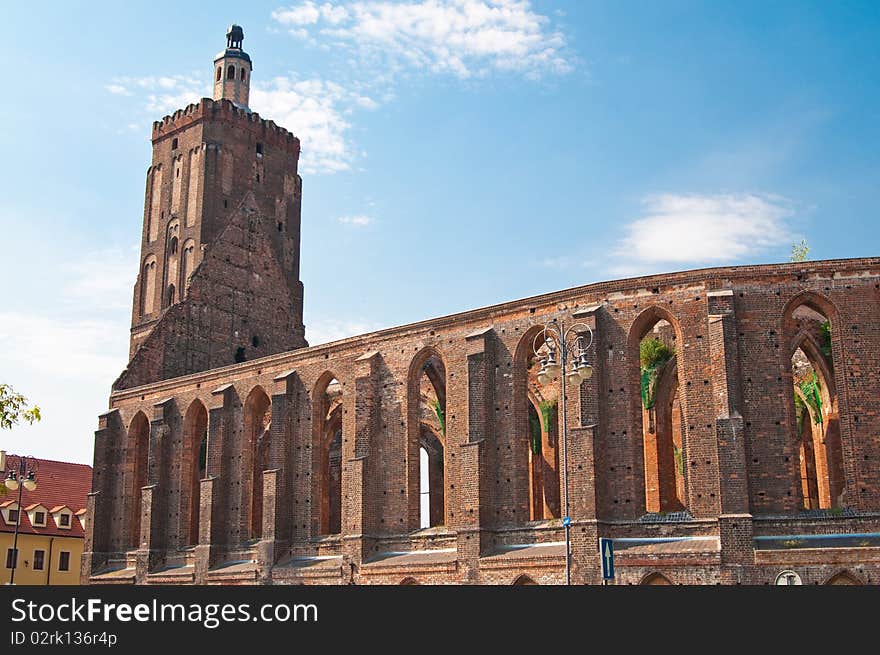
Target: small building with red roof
51, 520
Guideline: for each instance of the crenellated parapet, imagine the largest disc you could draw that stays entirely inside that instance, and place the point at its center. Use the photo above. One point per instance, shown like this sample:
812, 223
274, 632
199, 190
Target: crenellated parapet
236, 117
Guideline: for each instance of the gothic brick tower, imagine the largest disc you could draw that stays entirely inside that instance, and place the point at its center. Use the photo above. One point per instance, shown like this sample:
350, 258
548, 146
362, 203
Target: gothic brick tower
218, 281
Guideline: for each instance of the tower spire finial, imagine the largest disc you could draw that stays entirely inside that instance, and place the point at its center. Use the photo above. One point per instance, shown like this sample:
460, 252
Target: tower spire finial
234, 36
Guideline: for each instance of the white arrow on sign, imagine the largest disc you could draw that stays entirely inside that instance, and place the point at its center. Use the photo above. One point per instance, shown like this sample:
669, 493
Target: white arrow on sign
607, 556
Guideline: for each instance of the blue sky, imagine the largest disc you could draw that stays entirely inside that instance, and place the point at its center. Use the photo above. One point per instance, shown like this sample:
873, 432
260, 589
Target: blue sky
456, 153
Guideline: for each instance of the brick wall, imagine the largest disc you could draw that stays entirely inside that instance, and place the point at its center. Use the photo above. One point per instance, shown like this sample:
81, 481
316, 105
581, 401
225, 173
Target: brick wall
735, 395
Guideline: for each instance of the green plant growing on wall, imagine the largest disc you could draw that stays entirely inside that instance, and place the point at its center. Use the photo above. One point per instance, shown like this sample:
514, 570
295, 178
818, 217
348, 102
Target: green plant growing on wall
545, 407
653, 355
811, 390
535, 432
441, 416
825, 346
679, 464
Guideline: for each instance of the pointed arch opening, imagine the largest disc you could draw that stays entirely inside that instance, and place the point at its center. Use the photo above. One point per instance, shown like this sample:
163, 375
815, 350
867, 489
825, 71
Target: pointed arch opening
137, 457
257, 424
843, 578
814, 403
426, 449
148, 286
536, 419
523, 581
194, 467
658, 405
655, 579
327, 454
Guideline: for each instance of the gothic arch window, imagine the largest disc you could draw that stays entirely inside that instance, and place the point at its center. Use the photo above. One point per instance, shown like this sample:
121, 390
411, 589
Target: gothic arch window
327, 455
188, 264
219, 72
242, 74
536, 429
230, 73
808, 328
194, 467
426, 447
148, 285
136, 457
257, 422
653, 346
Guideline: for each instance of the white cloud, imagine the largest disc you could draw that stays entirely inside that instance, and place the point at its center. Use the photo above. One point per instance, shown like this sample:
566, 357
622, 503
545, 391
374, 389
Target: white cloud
463, 37
163, 94
326, 330
704, 229
313, 110
117, 89
358, 220
104, 279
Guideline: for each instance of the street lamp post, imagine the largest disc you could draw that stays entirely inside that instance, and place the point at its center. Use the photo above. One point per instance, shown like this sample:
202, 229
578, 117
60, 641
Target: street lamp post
24, 478
572, 346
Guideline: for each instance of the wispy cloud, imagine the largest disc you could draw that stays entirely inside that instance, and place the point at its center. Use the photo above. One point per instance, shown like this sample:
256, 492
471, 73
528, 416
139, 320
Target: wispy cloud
104, 278
325, 330
359, 220
162, 94
465, 38
676, 231
117, 89
315, 110
710, 229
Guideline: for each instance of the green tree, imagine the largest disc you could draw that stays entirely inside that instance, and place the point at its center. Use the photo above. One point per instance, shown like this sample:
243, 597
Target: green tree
799, 251
14, 408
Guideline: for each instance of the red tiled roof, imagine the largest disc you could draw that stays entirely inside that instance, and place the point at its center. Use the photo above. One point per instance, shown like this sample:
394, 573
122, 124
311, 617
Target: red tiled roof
59, 484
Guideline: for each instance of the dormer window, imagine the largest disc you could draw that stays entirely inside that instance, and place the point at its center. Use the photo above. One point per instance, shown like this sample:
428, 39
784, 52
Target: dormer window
37, 515
62, 515
40, 518
10, 512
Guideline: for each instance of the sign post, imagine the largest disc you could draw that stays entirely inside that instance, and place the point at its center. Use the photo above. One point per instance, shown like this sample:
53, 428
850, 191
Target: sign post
606, 554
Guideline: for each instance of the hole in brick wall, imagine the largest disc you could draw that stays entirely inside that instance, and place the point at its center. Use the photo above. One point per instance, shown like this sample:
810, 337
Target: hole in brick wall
259, 148
741, 294
255, 342
655, 290
174, 143
225, 204
280, 226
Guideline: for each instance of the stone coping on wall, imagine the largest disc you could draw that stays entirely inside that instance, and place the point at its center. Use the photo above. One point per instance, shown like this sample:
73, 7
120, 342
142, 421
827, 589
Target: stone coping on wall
613, 289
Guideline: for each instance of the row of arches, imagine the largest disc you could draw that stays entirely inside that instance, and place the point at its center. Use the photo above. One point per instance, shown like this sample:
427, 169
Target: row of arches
654, 341
655, 578
230, 73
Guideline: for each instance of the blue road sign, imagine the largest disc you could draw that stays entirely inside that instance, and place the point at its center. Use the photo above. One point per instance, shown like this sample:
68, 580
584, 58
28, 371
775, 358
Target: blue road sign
566, 521
606, 552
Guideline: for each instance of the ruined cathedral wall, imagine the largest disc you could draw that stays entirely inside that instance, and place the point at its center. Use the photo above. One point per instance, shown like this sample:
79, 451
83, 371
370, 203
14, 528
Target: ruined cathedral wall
732, 348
